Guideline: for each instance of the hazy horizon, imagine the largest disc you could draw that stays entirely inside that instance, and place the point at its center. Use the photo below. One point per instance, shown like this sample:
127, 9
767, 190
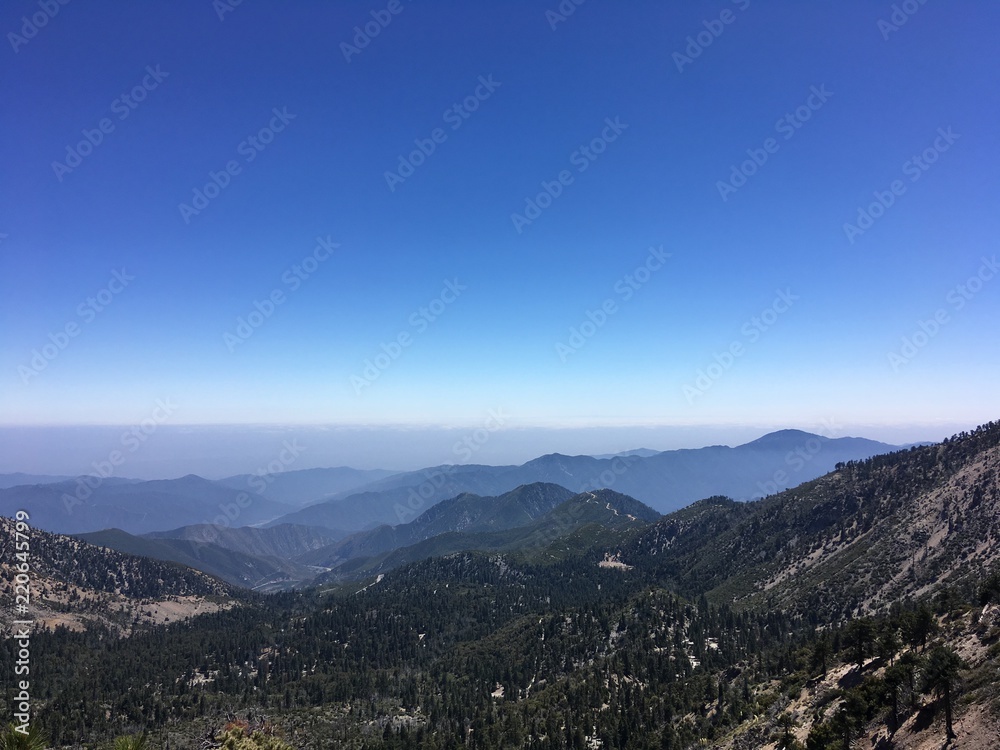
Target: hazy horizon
215, 451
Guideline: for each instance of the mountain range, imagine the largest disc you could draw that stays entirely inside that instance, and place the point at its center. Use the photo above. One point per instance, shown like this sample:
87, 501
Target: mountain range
665, 481
90, 504
343, 500
254, 558
827, 615
267, 531
533, 531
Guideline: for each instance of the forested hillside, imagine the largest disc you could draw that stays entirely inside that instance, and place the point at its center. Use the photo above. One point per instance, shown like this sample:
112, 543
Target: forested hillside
870, 533
75, 584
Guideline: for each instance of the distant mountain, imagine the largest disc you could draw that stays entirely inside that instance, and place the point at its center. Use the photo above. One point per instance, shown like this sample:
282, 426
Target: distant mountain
284, 541
232, 566
464, 513
19, 478
639, 452
606, 513
469, 512
666, 480
305, 486
136, 507
673, 479
608, 508
402, 497
363, 500
531, 516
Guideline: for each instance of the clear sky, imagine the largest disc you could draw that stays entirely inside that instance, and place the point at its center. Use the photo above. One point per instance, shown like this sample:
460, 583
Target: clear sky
412, 224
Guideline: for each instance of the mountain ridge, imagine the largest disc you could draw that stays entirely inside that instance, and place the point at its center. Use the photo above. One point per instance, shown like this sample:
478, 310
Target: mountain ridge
665, 480
608, 514
928, 516
815, 614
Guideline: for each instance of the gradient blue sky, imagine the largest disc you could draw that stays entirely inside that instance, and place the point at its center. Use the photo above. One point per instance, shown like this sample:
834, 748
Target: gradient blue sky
826, 357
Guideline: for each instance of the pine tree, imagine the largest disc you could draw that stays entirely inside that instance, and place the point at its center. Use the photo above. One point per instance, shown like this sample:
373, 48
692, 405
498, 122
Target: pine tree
940, 676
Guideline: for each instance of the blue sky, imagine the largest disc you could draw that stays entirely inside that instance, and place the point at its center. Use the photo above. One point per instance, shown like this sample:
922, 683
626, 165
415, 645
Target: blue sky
817, 314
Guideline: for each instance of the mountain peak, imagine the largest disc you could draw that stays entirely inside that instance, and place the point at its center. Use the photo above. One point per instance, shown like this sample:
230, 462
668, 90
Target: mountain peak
783, 437
616, 504
188, 478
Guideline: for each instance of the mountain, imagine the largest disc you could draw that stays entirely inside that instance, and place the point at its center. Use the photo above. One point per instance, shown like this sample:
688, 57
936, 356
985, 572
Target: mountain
74, 583
665, 481
605, 514
637, 452
287, 555
463, 513
302, 487
20, 478
867, 534
358, 500
284, 541
91, 504
608, 508
233, 566
402, 497
470, 512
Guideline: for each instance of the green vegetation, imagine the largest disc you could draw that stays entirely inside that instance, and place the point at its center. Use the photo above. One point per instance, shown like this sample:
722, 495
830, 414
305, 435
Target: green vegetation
940, 675
13, 739
239, 736
707, 629
131, 742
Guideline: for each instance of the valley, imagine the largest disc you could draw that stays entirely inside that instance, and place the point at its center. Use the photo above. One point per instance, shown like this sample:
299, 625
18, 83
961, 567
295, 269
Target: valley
545, 618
